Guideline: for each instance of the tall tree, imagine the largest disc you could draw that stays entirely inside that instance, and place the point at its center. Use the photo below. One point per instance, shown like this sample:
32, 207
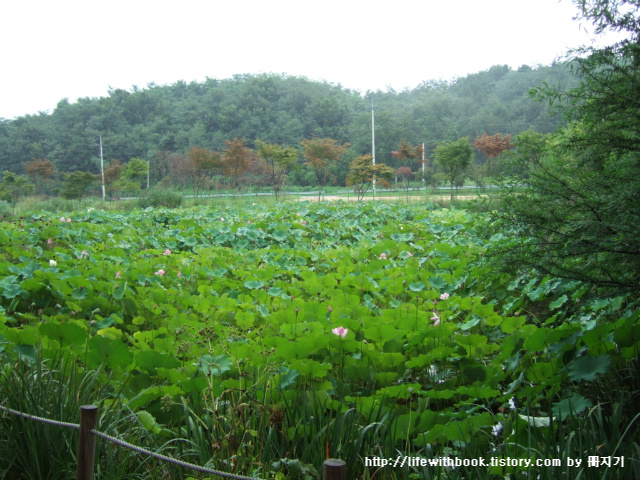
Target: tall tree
135, 170
362, 172
181, 170
278, 162
77, 183
579, 218
405, 175
160, 164
405, 154
321, 154
453, 159
236, 158
205, 163
492, 146
40, 171
111, 177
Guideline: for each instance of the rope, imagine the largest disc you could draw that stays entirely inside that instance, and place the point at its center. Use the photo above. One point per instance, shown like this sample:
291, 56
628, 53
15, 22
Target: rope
40, 419
159, 456
130, 446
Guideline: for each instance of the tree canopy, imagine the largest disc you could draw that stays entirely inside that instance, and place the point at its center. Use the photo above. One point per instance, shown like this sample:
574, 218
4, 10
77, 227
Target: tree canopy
579, 214
161, 121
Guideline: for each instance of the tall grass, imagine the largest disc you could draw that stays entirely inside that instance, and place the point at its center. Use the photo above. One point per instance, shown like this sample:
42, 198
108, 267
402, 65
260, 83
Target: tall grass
56, 389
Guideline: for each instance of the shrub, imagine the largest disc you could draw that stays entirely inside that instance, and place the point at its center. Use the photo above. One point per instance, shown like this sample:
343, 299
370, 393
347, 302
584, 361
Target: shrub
161, 198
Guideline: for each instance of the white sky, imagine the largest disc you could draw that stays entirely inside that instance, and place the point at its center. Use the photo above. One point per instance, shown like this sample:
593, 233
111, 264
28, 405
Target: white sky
53, 50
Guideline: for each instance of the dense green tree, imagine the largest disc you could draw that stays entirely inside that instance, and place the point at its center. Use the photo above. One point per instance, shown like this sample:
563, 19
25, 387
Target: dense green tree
579, 216
14, 186
135, 170
453, 159
77, 183
530, 146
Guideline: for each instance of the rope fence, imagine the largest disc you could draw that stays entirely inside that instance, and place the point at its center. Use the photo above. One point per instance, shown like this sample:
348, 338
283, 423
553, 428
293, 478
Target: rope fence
332, 469
40, 419
165, 458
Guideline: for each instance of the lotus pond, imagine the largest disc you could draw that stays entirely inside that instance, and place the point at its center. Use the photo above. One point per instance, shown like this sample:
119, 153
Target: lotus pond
259, 335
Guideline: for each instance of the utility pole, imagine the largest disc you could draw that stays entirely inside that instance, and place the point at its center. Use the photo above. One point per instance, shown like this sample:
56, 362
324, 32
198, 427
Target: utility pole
424, 162
102, 170
373, 142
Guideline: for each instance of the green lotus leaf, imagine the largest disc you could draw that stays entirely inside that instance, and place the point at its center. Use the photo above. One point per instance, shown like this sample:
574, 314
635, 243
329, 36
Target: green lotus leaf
587, 367
65, 333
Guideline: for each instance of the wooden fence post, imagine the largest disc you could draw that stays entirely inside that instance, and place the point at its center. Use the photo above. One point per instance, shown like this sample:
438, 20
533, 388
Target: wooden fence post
334, 469
86, 442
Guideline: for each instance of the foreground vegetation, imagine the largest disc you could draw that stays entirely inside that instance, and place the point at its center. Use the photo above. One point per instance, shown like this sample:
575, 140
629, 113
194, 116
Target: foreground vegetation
247, 337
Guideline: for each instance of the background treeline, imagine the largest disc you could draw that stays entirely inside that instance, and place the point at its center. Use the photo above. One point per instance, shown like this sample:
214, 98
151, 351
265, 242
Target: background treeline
163, 123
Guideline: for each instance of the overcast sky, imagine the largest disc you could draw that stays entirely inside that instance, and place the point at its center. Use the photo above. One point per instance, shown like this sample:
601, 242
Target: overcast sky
52, 50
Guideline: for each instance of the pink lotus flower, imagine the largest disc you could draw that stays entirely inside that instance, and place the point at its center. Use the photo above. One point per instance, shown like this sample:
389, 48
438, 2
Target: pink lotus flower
304, 222
329, 308
340, 331
383, 256
159, 273
444, 296
436, 320
84, 254
179, 274
167, 252
222, 219
49, 242
62, 219
68, 220
118, 274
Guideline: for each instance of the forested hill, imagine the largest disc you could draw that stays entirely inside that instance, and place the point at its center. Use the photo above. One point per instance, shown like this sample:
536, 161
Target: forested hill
277, 109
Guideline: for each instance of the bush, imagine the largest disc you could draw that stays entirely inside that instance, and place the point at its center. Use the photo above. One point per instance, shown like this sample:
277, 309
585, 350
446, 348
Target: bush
161, 198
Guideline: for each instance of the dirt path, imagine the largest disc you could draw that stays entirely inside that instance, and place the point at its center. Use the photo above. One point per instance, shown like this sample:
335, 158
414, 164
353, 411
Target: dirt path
411, 199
